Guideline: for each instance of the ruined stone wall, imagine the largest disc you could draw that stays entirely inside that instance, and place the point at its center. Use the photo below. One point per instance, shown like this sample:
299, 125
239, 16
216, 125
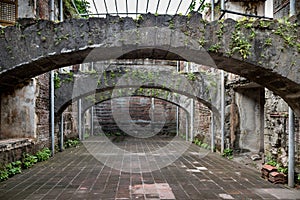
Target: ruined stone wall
25, 111
36, 9
202, 120
42, 109
163, 118
24, 119
70, 116
276, 130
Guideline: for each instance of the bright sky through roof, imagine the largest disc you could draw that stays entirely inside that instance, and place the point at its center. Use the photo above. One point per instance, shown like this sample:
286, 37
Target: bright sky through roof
140, 6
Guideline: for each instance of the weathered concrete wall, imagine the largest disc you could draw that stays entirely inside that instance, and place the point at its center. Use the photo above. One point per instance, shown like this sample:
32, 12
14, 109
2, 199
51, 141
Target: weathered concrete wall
18, 116
281, 8
25, 111
36, 9
247, 7
250, 104
26, 9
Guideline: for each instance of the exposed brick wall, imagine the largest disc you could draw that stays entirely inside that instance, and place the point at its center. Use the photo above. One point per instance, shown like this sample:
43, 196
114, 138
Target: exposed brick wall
276, 129
42, 110
140, 112
70, 122
43, 9
202, 121
202, 118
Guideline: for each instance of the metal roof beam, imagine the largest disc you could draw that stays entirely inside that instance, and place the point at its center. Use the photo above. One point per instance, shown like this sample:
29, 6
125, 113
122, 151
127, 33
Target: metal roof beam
168, 6
178, 7
116, 7
157, 6
105, 6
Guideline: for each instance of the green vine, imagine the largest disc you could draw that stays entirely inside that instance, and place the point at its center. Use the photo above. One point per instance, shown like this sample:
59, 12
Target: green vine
268, 42
288, 32
57, 81
228, 153
239, 43
215, 48
191, 76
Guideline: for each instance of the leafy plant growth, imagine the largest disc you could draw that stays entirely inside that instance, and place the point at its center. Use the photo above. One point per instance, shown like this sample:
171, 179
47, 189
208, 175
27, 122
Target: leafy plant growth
57, 81
228, 153
43, 155
201, 144
279, 166
71, 143
240, 44
29, 160
191, 76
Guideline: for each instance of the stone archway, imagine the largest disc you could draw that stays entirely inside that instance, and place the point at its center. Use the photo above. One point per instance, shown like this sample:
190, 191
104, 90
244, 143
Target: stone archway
244, 48
203, 87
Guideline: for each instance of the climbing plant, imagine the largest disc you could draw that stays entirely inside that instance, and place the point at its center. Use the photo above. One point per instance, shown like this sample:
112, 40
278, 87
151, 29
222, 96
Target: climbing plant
82, 7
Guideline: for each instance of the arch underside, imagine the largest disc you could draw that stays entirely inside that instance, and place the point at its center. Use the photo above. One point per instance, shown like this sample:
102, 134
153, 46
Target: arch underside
114, 38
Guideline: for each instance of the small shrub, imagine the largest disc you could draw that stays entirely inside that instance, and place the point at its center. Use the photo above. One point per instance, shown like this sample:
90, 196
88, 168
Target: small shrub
228, 153
191, 76
13, 168
86, 136
272, 163
71, 143
4, 175
43, 155
197, 142
29, 160
283, 170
